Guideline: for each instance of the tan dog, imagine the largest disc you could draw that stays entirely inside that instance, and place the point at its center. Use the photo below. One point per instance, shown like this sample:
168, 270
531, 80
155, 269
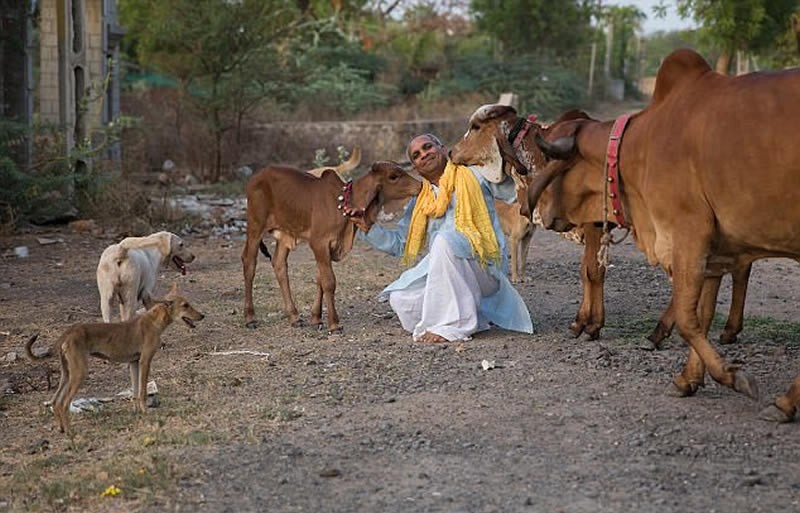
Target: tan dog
518, 229
128, 270
135, 342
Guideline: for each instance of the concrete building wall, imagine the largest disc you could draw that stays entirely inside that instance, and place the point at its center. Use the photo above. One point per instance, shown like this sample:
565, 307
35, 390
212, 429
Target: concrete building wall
71, 44
48, 62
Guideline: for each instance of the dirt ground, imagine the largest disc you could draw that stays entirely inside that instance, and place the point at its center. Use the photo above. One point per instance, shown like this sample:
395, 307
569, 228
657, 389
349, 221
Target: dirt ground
368, 420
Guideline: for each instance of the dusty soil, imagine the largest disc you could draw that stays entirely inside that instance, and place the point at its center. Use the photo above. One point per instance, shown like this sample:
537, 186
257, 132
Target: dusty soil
368, 420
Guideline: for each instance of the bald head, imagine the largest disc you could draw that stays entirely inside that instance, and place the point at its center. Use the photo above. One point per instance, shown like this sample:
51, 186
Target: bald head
428, 156
429, 137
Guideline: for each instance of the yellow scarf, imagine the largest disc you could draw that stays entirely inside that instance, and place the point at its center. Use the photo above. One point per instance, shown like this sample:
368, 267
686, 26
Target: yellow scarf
472, 216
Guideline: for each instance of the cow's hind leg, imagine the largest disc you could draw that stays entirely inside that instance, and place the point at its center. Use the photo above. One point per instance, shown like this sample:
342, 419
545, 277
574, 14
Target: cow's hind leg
785, 406
316, 308
688, 284
249, 261
326, 281
739, 279
664, 327
281, 268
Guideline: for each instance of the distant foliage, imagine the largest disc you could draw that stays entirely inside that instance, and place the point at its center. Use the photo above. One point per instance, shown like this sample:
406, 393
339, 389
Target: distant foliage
543, 26
543, 88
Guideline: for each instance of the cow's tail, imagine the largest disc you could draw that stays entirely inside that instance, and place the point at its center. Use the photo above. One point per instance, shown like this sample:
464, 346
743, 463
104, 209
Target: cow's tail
264, 250
29, 351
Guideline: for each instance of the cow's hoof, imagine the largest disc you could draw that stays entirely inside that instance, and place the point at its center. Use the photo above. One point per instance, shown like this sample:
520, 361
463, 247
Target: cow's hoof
673, 390
251, 325
299, 323
659, 334
745, 384
593, 331
774, 414
727, 338
576, 328
336, 331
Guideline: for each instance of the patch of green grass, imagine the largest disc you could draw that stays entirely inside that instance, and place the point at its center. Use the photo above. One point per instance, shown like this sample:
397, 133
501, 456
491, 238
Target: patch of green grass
766, 329
48, 493
757, 329
147, 479
633, 331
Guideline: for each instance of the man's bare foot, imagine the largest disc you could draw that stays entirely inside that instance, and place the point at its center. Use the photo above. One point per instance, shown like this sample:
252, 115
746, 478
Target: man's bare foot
432, 338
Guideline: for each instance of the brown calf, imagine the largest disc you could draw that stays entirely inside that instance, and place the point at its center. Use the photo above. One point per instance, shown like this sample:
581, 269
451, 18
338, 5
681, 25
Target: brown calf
292, 205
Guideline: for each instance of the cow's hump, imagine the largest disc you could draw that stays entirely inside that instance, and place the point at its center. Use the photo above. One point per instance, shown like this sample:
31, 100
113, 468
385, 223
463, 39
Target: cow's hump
680, 66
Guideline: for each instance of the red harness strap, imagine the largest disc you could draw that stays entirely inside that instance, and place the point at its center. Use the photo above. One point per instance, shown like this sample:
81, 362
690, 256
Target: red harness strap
524, 130
612, 167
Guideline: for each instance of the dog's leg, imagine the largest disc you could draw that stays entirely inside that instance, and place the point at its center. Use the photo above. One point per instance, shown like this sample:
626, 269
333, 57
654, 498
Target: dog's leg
525, 246
58, 397
147, 300
128, 301
78, 364
514, 242
326, 280
106, 297
281, 268
144, 371
133, 370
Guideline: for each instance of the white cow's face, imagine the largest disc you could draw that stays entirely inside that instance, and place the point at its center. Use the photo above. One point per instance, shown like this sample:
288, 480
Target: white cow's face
478, 148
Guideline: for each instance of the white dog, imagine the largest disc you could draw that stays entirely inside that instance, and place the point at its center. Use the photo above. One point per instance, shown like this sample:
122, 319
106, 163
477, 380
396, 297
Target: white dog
128, 270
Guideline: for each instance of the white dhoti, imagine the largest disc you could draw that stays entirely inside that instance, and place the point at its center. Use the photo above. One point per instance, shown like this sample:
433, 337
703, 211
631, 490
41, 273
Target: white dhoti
446, 302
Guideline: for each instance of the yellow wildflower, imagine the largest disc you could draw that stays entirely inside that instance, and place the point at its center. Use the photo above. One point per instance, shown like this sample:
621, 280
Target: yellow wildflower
111, 491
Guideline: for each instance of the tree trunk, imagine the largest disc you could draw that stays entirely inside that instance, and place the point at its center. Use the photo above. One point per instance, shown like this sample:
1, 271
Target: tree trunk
724, 62
218, 154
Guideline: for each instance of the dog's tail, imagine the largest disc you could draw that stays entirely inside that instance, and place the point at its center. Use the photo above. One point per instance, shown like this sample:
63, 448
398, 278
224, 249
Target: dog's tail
119, 255
29, 351
264, 250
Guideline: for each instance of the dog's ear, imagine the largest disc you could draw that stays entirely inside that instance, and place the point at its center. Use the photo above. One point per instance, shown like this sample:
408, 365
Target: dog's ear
173, 291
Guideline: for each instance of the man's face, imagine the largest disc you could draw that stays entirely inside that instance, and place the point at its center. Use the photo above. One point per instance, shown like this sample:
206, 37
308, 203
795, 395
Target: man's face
428, 158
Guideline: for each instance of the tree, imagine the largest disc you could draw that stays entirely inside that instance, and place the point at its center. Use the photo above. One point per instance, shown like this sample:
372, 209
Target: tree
738, 25
225, 54
626, 22
535, 26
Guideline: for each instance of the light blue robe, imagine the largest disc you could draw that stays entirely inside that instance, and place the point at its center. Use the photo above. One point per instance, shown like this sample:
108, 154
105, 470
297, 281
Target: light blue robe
505, 308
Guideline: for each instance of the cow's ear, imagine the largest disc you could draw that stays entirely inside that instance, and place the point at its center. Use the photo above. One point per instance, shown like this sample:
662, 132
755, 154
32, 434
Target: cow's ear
492, 168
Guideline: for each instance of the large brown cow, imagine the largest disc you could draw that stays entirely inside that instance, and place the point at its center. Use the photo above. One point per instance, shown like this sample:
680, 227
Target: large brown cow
708, 181
497, 134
